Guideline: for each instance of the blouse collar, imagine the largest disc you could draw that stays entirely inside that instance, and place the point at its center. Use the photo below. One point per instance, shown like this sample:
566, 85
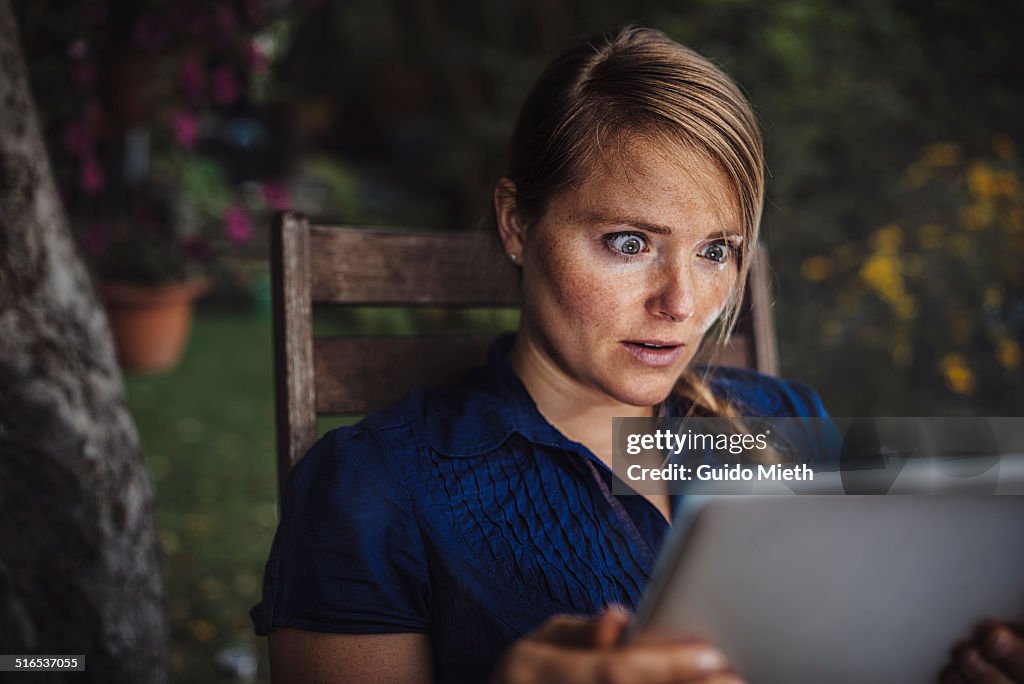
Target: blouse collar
486, 407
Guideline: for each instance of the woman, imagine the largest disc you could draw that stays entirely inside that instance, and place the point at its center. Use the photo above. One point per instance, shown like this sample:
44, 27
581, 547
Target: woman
436, 539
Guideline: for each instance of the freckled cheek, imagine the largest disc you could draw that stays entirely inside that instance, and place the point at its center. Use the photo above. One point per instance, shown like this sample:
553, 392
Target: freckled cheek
582, 298
567, 289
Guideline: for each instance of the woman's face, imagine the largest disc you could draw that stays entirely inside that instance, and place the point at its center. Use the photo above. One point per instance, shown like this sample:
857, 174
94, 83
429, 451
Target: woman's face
624, 274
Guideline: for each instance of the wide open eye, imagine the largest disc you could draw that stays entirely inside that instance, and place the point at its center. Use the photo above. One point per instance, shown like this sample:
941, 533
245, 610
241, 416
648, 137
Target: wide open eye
719, 251
628, 244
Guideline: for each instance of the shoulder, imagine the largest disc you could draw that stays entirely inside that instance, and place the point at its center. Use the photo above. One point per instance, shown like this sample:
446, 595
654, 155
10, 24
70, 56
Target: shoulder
349, 553
360, 454
757, 394
393, 443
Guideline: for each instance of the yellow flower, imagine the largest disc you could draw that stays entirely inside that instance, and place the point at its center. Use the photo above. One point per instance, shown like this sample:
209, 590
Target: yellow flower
1008, 353
816, 268
882, 272
939, 155
957, 374
981, 181
888, 238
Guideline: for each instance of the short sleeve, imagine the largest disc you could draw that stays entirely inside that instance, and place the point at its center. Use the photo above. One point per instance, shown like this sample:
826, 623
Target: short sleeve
348, 555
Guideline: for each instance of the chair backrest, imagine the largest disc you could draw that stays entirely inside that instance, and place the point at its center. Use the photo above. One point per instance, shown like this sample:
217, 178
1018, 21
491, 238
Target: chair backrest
317, 376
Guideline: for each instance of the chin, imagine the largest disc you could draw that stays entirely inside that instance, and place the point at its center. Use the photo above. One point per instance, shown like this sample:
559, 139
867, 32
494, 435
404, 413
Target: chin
648, 395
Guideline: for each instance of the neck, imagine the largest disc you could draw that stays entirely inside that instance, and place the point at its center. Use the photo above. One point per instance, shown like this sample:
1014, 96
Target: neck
581, 413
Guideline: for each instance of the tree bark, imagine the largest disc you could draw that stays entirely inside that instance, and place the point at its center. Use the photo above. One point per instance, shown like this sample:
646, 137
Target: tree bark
79, 563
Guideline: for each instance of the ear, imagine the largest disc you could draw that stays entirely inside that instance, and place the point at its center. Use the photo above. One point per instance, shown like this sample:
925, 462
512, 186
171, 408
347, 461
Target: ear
511, 228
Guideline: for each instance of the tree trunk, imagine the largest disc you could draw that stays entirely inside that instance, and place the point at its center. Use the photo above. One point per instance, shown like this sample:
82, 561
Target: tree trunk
79, 564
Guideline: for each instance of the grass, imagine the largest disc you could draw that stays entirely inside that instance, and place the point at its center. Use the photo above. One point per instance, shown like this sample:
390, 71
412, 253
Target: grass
207, 431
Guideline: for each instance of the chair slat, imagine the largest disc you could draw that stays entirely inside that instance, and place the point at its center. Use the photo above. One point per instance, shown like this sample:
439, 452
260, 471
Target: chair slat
293, 340
362, 374
372, 267
765, 353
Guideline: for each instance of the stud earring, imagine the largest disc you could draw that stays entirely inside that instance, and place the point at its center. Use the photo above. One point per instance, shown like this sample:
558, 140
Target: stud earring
513, 258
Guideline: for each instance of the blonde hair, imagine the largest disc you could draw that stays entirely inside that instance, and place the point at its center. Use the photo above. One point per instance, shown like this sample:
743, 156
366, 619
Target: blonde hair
638, 81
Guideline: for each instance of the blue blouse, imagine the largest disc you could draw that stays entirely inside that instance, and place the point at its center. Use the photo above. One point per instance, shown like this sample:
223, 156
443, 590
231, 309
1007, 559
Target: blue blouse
462, 513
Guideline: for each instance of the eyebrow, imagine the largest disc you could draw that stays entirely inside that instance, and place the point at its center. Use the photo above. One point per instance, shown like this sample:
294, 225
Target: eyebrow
656, 228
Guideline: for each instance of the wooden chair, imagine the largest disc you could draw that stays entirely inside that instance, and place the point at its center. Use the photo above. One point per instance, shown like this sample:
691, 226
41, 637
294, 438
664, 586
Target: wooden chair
316, 376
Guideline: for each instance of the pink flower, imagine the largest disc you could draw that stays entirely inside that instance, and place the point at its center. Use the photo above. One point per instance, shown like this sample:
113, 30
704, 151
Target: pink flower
226, 88
237, 226
186, 128
255, 58
276, 196
78, 139
90, 176
190, 78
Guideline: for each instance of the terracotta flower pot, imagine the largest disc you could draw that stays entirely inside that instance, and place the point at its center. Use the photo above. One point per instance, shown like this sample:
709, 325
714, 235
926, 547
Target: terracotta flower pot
150, 323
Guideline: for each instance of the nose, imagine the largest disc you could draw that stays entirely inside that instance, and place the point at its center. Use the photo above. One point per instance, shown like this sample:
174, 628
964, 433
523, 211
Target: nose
672, 297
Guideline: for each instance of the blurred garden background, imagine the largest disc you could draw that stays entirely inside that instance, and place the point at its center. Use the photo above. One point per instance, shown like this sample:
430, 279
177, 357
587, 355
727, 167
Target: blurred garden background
895, 218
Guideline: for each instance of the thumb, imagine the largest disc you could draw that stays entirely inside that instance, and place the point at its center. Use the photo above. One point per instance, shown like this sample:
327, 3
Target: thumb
610, 626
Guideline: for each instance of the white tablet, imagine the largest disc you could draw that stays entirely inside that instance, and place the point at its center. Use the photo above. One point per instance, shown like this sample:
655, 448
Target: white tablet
837, 588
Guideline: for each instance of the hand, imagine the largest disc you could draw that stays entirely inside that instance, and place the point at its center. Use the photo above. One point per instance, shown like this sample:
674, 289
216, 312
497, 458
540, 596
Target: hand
993, 655
577, 650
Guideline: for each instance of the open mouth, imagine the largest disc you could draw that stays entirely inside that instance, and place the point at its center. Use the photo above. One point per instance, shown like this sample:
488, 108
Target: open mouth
656, 354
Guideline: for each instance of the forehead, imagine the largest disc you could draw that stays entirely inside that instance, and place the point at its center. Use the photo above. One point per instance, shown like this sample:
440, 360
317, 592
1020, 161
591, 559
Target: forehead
657, 182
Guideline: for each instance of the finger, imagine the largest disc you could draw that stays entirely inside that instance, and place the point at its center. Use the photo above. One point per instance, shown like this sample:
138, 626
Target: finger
657, 664
1004, 648
566, 630
973, 667
988, 624
610, 626
539, 662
